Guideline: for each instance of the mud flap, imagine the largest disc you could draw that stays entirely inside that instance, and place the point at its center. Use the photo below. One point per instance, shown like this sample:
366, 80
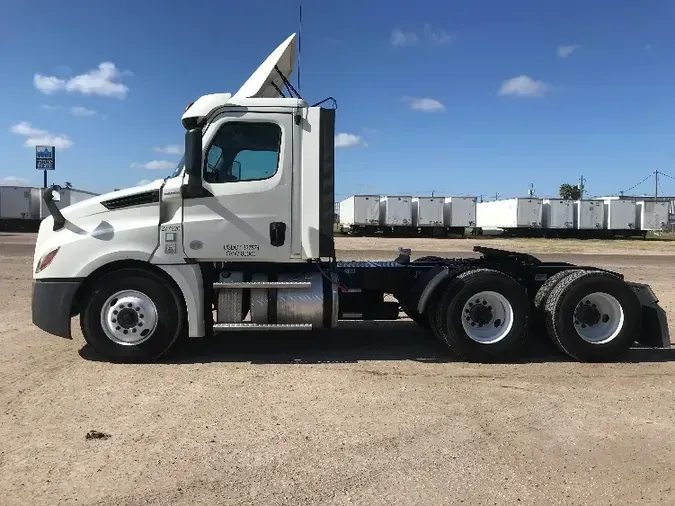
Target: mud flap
654, 332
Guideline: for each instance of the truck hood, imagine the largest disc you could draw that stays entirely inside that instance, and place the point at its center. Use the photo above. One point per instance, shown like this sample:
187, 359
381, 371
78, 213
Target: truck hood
94, 205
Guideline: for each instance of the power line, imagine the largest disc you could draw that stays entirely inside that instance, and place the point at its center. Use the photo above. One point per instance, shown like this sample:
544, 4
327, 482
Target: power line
664, 174
635, 186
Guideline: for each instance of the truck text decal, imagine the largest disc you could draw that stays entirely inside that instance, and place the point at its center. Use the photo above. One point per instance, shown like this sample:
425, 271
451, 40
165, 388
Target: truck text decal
241, 250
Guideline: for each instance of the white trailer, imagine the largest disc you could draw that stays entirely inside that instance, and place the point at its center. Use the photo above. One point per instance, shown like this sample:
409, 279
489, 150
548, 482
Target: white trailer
652, 215
359, 211
182, 258
620, 214
557, 213
396, 211
70, 196
15, 203
427, 211
459, 212
38, 210
509, 213
589, 214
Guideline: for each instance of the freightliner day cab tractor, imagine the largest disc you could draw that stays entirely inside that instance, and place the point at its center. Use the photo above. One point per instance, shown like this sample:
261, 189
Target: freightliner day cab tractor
240, 237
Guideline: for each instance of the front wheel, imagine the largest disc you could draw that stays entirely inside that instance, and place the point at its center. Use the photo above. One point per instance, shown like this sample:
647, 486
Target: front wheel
132, 316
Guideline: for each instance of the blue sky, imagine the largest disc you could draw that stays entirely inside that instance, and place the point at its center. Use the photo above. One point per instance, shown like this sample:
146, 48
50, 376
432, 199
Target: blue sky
459, 97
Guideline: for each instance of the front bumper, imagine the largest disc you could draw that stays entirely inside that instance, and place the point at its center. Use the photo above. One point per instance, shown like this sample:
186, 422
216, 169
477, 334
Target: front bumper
52, 302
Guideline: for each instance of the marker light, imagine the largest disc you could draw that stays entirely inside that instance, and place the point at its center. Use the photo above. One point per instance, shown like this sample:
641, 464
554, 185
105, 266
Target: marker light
46, 259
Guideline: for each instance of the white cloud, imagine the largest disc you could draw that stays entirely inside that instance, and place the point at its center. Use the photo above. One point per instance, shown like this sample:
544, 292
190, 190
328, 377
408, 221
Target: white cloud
434, 36
565, 51
143, 181
424, 104
103, 81
369, 130
345, 140
154, 165
648, 47
81, 111
171, 149
47, 107
39, 137
14, 181
400, 38
523, 86
438, 36
48, 84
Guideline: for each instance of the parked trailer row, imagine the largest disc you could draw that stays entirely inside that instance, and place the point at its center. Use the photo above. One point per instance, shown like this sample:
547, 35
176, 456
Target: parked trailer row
365, 214
529, 216
604, 217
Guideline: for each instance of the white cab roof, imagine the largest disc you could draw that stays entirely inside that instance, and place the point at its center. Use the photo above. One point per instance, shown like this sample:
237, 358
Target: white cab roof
205, 104
208, 103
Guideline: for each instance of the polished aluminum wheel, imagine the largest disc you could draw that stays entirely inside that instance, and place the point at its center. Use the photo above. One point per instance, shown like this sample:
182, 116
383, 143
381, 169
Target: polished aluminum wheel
129, 318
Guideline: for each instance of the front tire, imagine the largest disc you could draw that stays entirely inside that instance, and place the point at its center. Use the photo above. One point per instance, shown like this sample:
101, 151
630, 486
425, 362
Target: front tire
132, 316
483, 315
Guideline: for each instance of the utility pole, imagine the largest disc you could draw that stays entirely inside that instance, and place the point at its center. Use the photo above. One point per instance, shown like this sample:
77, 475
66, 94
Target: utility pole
656, 184
581, 187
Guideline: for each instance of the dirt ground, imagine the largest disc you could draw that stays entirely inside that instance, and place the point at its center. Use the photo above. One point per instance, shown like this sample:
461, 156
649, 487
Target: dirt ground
368, 414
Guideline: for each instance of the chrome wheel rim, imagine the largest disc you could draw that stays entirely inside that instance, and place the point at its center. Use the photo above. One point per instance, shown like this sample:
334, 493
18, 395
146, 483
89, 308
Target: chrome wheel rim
129, 318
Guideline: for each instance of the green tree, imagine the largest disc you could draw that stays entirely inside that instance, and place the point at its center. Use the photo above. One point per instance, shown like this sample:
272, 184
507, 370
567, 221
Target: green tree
570, 192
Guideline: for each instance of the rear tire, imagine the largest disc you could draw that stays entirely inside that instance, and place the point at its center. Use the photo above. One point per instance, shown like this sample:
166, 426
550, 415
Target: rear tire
593, 316
132, 315
496, 328
542, 294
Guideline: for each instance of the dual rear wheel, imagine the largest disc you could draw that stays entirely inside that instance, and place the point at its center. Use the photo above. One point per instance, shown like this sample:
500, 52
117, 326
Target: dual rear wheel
485, 315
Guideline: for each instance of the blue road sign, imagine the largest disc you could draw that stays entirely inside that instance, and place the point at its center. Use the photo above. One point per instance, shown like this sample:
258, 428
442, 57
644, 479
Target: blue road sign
45, 157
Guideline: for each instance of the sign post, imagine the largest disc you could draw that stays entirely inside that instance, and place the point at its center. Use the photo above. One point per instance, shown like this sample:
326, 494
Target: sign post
45, 159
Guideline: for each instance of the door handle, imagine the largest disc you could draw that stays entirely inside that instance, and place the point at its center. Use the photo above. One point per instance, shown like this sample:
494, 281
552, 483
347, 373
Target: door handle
277, 233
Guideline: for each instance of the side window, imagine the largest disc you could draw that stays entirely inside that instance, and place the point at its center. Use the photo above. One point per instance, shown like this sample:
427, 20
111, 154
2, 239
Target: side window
243, 151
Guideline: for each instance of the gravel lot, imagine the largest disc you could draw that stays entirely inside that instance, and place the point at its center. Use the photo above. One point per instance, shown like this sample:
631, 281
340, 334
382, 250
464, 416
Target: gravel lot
368, 414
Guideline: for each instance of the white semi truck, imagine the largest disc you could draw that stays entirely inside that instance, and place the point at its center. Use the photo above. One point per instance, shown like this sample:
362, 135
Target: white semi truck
240, 237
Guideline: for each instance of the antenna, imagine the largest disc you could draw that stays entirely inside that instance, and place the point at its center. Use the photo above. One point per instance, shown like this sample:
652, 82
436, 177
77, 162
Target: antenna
299, 44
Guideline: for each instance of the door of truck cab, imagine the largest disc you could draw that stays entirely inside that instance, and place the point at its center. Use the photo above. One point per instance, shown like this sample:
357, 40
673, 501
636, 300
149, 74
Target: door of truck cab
245, 211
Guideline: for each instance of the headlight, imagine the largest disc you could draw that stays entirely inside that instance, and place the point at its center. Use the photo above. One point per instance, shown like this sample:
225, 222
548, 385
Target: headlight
46, 259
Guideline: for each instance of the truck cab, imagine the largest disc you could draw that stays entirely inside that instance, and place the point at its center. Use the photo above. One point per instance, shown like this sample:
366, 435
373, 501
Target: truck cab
255, 187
